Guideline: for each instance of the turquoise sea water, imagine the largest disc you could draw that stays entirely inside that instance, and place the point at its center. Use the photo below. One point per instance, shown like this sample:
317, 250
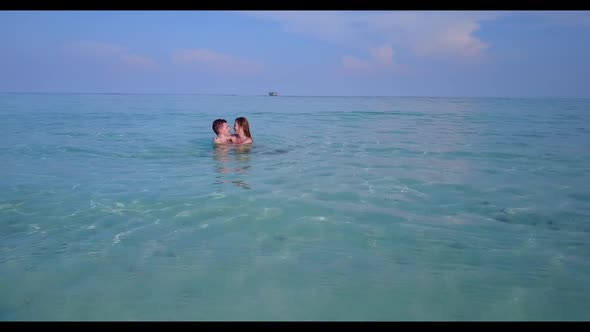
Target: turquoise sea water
118, 207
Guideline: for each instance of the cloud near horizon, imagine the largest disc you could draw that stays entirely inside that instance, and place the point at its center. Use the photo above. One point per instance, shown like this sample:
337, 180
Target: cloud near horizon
216, 61
108, 52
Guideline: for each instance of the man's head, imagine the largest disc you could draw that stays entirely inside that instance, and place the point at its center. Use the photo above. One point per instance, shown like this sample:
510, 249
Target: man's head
220, 127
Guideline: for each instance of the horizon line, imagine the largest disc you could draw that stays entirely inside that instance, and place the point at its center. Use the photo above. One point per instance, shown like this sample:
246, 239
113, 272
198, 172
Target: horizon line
286, 95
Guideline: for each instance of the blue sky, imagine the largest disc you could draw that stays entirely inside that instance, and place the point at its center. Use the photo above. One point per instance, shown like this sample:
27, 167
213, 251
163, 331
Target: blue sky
364, 53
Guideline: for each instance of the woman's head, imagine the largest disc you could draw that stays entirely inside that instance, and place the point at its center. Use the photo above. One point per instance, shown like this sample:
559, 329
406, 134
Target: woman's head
242, 123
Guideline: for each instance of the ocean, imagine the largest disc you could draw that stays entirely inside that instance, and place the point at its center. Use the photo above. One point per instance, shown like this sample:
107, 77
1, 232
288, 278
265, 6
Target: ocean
119, 207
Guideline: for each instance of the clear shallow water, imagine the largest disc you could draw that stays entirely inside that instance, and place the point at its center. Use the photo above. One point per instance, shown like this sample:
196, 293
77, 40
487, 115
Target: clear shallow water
118, 207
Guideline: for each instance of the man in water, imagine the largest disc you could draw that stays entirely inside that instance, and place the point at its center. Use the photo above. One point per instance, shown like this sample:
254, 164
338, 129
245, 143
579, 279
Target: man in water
222, 132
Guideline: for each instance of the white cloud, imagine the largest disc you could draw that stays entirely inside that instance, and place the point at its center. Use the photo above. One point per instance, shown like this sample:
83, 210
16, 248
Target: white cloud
355, 64
137, 60
382, 54
108, 52
381, 58
215, 61
455, 39
422, 33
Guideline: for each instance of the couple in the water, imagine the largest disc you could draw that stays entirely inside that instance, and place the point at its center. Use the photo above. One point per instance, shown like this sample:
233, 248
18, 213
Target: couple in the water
224, 136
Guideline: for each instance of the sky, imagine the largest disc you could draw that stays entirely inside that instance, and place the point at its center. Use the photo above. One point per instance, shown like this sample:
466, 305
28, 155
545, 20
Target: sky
315, 53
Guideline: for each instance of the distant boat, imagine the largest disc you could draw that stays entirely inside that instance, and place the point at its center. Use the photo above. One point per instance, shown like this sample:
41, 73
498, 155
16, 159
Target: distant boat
272, 93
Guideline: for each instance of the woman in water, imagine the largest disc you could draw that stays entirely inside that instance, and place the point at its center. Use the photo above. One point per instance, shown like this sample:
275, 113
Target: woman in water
242, 131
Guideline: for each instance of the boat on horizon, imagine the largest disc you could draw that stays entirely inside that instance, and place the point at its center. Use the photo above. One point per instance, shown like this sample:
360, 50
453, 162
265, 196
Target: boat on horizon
272, 93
